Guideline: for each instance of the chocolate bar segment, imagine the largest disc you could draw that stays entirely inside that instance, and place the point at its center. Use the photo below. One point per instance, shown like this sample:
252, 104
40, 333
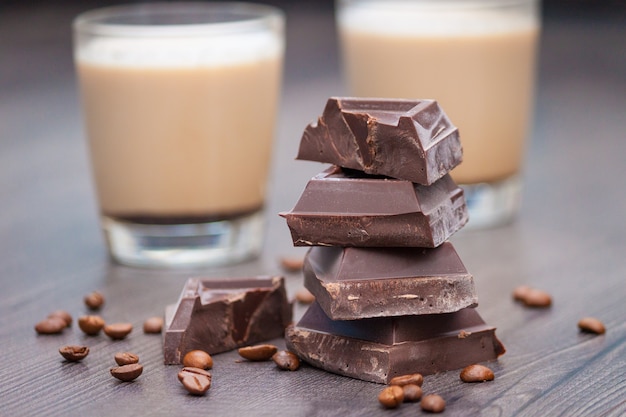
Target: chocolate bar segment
353, 283
343, 207
411, 140
217, 315
379, 349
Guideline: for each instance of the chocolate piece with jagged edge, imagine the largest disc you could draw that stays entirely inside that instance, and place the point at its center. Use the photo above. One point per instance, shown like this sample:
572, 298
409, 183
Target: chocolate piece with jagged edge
379, 349
354, 283
343, 207
411, 140
217, 315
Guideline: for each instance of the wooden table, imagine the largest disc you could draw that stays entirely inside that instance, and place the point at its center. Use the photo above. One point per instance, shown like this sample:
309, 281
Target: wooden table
570, 240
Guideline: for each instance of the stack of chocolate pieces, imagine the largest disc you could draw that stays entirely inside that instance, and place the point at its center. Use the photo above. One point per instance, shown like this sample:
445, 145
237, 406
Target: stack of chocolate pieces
392, 295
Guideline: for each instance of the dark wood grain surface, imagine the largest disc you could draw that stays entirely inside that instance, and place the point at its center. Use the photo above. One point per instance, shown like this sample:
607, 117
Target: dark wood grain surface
570, 240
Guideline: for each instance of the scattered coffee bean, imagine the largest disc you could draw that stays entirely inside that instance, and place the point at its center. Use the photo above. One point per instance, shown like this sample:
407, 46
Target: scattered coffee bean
411, 392
94, 300
433, 403
128, 372
74, 353
118, 331
91, 325
198, 359
258, 352
304, 296
476, 373
126, 358
591, 325
286, 360
416, 379
51, 325
67, 317
292, 264
391, 397
153, 325
532, 297
195, 380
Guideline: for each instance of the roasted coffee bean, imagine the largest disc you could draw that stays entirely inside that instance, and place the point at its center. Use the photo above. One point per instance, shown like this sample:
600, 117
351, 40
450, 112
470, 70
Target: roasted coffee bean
74, 353
195, 380
412, 392
416, 379
198, 359
292, 264
128, 372
286, 360
153, 325
118, 331
391, 397
51, 325
476, 373
94, 300
532, 297
433, 403
126, 358
258, 352
304, 296
591, 325
67, 317
91, 325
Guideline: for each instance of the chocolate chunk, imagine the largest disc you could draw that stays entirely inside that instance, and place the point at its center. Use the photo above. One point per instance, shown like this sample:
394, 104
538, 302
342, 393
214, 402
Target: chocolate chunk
353, 283
217, 315
406, 139
379, 349
342, 207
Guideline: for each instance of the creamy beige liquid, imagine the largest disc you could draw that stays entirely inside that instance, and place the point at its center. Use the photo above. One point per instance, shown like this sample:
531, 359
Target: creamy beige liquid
481, 74
180, 140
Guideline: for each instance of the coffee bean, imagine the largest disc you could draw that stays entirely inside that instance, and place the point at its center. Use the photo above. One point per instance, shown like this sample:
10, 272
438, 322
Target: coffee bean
51, 325
118, 331
195, 380
286, 360
153, 325
416, 379
532, 297
126, 358
94, 300
67, 317
198, 359
433, 403
411, 392
391, 397
128, 372
292, 264
74, 353
476, 373
91, 325
258, 352
591, 325
304, 296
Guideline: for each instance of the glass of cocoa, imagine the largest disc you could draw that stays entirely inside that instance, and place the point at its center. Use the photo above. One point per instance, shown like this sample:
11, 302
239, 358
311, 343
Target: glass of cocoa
180, 102
477, 58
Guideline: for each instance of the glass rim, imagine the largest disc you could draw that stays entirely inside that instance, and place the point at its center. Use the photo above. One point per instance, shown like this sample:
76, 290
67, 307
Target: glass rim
244, 17
442, 4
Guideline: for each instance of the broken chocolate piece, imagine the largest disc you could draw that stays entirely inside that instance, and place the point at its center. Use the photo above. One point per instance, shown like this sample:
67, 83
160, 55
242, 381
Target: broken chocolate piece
353, 283
379, 349
342, 207
216, 315
411, 140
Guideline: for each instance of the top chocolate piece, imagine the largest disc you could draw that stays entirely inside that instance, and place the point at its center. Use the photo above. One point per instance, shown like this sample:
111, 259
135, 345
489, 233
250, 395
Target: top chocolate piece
406, 139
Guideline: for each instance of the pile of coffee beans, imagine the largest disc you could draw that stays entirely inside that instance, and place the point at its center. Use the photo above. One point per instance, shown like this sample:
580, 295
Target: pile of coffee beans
408, 388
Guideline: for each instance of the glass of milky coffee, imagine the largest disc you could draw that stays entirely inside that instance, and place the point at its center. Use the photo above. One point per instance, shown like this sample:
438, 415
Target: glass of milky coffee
180, 103
476, 58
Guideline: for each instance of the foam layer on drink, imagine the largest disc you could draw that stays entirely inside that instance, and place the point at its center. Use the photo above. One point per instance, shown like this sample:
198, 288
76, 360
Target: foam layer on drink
180, 52
418, 19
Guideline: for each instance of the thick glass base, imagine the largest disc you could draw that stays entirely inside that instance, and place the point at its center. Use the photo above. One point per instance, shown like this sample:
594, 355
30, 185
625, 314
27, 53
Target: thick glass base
184, 245
492, 204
